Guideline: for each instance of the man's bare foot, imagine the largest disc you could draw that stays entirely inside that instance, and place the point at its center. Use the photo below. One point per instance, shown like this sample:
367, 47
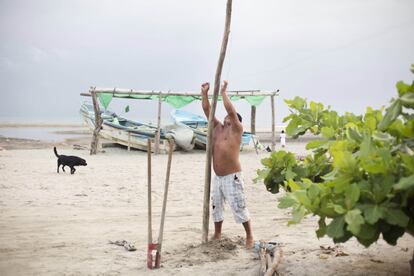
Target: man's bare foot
249, 243
216, 236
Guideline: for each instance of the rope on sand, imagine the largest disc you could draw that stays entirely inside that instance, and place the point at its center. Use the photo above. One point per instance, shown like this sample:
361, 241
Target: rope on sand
127, 245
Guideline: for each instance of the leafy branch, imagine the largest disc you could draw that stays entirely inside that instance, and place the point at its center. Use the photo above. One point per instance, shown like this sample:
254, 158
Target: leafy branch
359, 176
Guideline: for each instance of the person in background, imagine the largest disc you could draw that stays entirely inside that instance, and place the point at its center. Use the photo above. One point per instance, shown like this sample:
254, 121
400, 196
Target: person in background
283, 139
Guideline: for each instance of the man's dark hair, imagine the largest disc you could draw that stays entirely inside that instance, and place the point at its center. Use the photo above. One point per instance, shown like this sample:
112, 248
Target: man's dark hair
240, 117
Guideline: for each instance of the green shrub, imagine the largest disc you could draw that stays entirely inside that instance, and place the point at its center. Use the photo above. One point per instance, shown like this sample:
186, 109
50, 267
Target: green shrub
359, 174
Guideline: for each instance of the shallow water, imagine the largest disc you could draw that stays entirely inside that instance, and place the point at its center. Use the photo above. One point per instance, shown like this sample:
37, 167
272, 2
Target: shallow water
42, 133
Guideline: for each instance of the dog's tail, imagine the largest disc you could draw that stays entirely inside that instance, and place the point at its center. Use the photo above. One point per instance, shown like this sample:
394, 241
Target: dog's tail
54, 149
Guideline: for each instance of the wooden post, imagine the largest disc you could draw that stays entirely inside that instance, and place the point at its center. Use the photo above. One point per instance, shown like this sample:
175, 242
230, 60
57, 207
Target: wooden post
253, 120
149, 194
98, 124
209, 149
158, 134
272, 101
164, 203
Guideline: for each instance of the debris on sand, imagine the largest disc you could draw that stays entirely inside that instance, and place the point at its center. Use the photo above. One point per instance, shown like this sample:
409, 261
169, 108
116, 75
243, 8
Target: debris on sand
127, 245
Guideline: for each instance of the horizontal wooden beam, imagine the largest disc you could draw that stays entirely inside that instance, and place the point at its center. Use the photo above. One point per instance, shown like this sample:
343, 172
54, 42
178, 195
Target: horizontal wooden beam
131, 92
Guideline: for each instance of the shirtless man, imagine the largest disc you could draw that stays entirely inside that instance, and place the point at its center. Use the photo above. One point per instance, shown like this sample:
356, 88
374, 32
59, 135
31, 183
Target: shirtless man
228, 183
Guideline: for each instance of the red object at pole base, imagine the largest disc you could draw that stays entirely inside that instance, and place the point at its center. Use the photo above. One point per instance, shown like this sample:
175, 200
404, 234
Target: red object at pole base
150, 263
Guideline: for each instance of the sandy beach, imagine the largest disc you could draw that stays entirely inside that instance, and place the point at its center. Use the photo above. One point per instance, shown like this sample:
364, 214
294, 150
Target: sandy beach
61, 224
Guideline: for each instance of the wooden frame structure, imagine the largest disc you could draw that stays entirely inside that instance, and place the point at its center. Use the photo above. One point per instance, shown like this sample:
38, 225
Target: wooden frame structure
94, 91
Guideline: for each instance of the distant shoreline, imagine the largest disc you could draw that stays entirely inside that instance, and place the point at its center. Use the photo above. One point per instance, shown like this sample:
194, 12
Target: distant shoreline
21, 124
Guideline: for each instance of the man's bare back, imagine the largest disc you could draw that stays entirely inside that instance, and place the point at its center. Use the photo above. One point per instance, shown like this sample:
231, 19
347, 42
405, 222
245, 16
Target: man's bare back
226, 136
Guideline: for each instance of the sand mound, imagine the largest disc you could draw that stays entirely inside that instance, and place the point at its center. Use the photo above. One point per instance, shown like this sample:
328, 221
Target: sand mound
212, 251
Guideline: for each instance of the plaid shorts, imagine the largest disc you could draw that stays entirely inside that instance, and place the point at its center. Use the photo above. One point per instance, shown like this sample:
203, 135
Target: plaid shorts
229, 188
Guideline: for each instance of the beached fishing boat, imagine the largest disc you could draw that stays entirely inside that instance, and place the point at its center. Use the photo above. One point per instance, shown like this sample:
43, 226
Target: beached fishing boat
135, 134
199, 125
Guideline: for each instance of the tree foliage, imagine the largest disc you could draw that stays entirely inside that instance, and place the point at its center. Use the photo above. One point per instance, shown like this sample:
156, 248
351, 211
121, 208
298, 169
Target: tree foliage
359, 176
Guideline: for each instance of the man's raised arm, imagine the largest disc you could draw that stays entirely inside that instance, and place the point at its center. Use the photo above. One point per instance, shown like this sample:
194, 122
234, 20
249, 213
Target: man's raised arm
231, 111
205, 103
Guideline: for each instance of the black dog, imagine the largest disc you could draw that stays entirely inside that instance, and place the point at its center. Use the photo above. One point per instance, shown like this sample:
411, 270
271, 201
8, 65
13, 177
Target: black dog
70, 161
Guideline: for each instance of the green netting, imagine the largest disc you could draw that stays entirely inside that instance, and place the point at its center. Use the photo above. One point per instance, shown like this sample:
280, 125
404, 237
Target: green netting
175, 101
178, 101
105, 99
254, 100
233, 98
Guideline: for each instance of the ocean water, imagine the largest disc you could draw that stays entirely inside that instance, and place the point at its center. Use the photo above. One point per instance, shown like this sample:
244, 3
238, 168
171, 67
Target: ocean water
42, 133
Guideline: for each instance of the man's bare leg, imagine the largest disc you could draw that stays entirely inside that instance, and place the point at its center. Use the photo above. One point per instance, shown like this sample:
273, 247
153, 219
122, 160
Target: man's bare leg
249, 235
217, 230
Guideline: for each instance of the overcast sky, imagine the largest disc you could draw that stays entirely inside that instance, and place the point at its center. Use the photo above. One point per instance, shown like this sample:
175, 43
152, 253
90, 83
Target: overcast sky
346, 53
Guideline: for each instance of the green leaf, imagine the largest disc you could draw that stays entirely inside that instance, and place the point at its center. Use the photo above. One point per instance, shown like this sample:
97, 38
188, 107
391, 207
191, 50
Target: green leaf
315, 109
347, 235
344, 161
302, 198
293, 185
382, 186
336, 228
373, 213
267, 162
340, 183
297, 103
391, 233
293, 125
339, 209
352, 193
287, 201
313, 192
368, 234
353, 134
405, 183
367, 148
297, 215
392, 113
408, 162
289, 174
328, 132
354, 220
396, 217
383, 137
317, 144
402, 88
407, 99
322, 228
371, 123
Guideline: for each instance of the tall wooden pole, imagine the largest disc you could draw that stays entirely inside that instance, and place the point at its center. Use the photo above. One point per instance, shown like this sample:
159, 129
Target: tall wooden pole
164, 203
149, 194
209, 150
98, 124
272, 101
158, 134
253, 120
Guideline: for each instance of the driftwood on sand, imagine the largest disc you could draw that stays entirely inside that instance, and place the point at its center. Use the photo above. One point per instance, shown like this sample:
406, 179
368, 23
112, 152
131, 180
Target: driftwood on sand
270, 258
